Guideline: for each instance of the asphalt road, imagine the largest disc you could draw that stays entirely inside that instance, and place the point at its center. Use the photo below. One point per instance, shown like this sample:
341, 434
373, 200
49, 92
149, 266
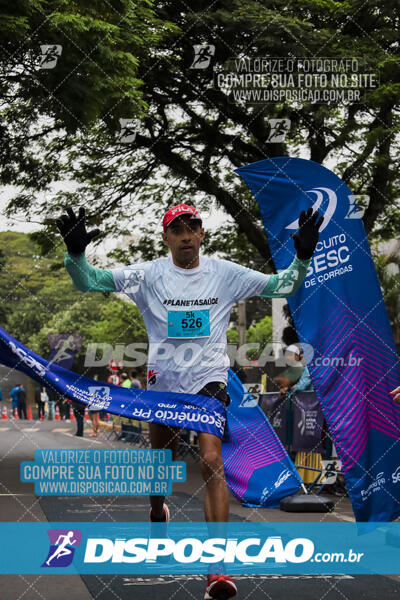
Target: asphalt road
19, 440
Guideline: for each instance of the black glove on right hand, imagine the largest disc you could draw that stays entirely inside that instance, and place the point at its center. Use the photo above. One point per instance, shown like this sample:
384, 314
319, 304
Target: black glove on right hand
306, 238
73, 231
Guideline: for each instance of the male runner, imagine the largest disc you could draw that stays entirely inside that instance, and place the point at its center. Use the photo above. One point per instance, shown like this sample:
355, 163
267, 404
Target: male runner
185, 301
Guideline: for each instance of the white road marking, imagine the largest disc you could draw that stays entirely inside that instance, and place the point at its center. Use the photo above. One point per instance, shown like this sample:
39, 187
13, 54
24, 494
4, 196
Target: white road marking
83, 438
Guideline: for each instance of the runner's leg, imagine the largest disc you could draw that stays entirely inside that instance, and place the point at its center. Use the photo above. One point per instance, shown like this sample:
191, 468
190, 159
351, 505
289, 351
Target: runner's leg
162, 436
96, 423
216, 501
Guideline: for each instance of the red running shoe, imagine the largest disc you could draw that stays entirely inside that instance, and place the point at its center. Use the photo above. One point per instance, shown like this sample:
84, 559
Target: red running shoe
166, 514
220, 587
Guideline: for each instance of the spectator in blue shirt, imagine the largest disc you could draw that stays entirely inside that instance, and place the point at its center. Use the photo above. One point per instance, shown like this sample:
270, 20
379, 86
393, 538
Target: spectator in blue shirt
14, 397
304, 384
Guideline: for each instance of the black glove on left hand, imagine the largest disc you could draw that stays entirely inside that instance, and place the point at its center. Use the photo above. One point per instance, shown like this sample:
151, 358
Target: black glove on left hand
306, 238
73, 231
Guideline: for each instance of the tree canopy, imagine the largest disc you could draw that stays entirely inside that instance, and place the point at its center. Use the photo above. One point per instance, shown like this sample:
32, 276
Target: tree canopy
37, 299
135, 61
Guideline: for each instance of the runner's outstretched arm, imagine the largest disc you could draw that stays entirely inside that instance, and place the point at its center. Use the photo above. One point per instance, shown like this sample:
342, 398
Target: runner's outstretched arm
287, 282
85, 277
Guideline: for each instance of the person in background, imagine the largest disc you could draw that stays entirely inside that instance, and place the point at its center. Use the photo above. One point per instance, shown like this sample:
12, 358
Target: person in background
94, 414
304, 384
39, 403
79, 412
113, 377
45, 402
53, 397
293, 372
135, 382
67, 409
125, 381
14, 398
241, 373
21, 402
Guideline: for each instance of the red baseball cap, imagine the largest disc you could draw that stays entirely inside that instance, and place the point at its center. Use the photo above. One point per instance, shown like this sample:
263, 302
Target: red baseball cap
178, 211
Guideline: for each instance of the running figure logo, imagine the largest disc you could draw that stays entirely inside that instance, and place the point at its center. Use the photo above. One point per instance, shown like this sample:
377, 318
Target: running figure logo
49, 55
202, 56
62, 547
357, 206
278, 129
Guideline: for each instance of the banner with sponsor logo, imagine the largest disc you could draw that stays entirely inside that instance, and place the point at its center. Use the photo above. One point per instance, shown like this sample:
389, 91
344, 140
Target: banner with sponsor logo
258, 470
274, 406
257, 467
340, 311
308, 420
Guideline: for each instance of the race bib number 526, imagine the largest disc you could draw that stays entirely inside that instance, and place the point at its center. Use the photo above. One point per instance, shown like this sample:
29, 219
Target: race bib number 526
188, 323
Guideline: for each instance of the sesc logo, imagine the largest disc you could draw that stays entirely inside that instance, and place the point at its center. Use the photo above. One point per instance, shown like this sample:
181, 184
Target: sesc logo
356, 209
396, 475
330, 211
282, 478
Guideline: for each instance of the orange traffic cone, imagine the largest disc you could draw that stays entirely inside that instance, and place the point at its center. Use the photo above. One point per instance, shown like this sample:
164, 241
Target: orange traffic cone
15, 415
4, 414
29, 413
57, 415
87, 418
42, 417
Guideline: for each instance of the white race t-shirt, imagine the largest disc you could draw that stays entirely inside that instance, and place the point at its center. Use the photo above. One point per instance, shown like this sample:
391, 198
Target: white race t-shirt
186, 313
